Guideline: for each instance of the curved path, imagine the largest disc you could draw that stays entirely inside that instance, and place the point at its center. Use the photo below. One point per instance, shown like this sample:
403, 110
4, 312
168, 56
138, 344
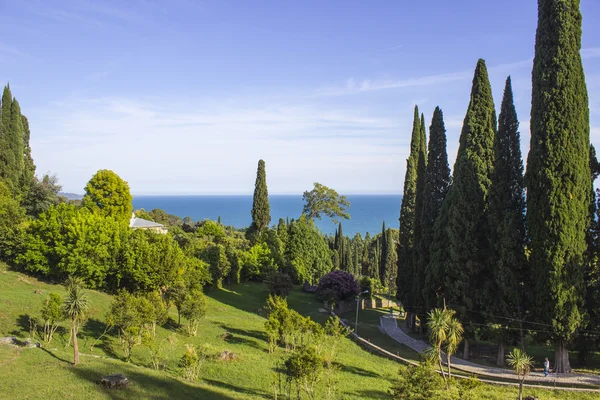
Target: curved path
390, 327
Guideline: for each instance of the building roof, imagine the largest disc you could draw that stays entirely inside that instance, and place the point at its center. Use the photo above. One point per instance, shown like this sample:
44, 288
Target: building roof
136, 222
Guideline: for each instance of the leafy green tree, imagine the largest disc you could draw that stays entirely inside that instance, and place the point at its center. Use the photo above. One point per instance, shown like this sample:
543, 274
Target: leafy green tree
176, 295
383, 255
437, 182
261, 211
41, 194
466, 221
190, 363
193, 309
218, 264
305, 368
16, 137
522, 365
406, 271
421, 383
307, 253
75, 308
282, 232
280, 284
109, 195
52, 314
325, 201
506, 222
558, 172
124, 314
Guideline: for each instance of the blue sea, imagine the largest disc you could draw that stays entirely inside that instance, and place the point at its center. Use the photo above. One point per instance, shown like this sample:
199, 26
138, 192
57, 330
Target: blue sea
367, 212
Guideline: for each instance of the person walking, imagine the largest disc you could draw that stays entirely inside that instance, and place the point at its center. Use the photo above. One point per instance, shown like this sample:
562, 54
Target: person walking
546, 367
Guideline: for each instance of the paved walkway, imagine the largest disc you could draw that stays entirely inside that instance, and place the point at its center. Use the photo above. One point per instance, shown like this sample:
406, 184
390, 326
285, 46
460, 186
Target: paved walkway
390, 327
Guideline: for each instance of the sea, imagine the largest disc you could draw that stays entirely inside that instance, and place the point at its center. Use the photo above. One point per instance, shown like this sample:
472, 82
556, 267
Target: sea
367, 212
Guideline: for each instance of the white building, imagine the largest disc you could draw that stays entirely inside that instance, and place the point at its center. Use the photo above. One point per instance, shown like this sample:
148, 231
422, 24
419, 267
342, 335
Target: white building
139, 223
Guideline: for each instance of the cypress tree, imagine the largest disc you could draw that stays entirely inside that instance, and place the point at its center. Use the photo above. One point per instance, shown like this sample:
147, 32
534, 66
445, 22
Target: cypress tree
418, 268
437, 183
407, 218
261, 212
558, 172
7, 156
466, 269
506, 222
16, 143
28, 175
391, 259
383, 255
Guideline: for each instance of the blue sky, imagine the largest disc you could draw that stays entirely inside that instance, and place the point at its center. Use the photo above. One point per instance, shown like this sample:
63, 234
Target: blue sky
184, 97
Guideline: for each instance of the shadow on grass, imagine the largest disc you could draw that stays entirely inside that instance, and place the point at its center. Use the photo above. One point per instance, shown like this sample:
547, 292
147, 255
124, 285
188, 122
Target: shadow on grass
51, 354
357, 370
236, 389
245, 332
373, 394
250, 296
22, 325
149, 386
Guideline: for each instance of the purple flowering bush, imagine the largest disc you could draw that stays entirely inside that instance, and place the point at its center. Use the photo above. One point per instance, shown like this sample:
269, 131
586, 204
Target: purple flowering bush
337, 286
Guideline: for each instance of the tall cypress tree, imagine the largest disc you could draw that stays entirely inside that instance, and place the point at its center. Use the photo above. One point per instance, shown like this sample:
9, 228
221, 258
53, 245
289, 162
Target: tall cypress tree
7, 156
16, 143
407, 218
383, 256
27, 177
466, 269
437, 183
507, 222
261, 211
418, 268
558, 173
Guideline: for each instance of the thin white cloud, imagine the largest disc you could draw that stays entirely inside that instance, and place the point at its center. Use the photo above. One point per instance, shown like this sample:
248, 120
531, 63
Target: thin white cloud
215, 150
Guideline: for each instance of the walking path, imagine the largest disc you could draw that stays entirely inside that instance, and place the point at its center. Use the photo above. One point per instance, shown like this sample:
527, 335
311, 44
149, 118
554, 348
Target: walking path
390, 327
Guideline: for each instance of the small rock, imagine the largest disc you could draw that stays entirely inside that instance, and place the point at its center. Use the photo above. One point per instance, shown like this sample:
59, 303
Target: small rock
114, 381
227, 356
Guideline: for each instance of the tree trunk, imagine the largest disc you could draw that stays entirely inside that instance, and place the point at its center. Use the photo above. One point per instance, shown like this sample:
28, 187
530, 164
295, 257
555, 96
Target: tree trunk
561, 358
75, 344
441, 366
178, 317
522, 335
407, 319
500, 358
520, 390
467, 349
449, 363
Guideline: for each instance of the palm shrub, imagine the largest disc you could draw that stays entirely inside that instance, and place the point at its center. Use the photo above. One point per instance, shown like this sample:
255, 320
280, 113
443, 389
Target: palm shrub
454, 336
438, 333
75, 308
522, 364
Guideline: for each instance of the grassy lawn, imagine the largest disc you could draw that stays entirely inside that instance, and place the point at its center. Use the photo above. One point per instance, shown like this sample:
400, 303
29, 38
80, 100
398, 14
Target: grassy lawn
29, 373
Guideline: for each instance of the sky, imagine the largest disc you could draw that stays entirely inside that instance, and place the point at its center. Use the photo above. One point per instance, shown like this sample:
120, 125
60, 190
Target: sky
184, 96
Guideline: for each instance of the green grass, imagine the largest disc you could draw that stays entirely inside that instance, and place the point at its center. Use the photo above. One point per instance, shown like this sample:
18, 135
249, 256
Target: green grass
47, 372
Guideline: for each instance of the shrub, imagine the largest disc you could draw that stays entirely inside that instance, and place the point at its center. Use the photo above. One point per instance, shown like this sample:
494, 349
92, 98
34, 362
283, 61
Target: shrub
421, 383
190, 363
280, 284
194, 309
305, 368
337, 286
366, 283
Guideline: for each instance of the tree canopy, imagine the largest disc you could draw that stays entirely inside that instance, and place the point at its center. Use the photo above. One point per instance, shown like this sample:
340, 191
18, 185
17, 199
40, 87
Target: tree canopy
325, 201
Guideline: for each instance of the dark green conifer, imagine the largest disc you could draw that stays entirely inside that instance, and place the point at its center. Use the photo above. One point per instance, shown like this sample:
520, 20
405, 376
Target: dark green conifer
407, 218
558, 173
7, 155
418, 269
437, 183
466, 268
16, 144
383, 255
28, 175
506, 224
261, 211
